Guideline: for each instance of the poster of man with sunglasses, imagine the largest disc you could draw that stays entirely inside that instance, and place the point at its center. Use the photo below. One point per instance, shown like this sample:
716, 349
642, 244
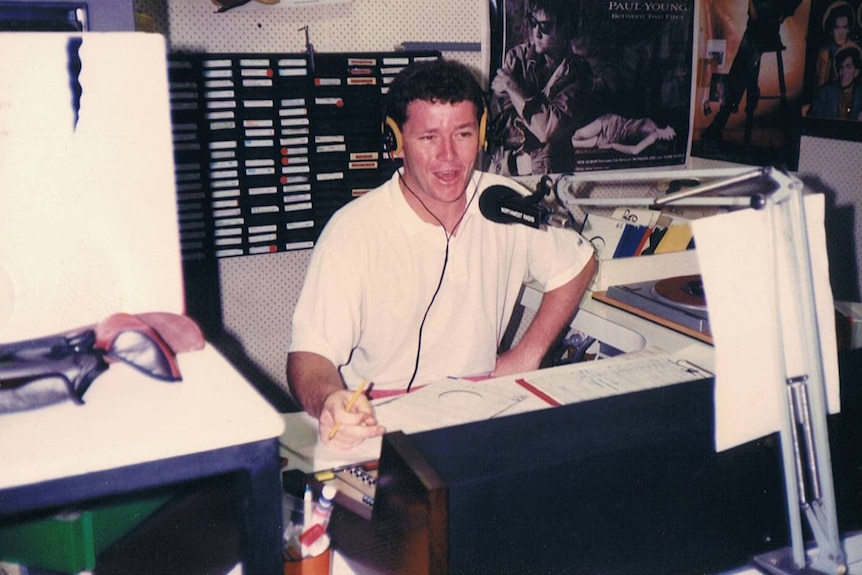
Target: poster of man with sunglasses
579, 85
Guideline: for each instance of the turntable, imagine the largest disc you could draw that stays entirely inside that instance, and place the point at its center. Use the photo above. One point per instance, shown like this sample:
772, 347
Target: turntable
676, 302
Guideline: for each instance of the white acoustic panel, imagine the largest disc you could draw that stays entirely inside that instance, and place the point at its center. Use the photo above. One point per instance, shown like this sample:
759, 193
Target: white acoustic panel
88, 224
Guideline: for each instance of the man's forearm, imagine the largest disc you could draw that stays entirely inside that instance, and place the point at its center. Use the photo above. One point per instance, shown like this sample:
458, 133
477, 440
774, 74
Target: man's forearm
312, 378
556, 311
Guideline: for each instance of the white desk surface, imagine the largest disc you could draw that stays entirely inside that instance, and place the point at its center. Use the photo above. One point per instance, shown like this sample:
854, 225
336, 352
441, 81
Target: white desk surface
300, 445
302, 427
130, 418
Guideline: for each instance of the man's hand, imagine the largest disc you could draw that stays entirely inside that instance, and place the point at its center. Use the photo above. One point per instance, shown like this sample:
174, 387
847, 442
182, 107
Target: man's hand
505, 83
317, 385
354, 426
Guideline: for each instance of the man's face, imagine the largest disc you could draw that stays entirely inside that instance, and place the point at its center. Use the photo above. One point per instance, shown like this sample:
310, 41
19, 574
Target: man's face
544, 34
847, 72
840, 30
440, 145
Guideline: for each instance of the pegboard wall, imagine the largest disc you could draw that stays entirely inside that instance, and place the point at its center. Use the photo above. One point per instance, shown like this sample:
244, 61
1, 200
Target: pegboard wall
349, 26
258, 293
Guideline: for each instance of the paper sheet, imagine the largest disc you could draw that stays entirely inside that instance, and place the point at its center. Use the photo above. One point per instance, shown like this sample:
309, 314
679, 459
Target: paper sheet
439, 404
738, 267
448, 402
595, 379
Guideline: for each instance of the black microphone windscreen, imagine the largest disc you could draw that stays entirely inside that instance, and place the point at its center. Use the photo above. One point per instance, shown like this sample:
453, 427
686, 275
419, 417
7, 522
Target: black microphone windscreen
491, 200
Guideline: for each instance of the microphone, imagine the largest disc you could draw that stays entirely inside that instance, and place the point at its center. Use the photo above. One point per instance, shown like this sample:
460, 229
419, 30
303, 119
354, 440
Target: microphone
504, 205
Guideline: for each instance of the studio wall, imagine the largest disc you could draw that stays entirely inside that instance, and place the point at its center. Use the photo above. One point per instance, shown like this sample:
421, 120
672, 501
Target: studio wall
258, 293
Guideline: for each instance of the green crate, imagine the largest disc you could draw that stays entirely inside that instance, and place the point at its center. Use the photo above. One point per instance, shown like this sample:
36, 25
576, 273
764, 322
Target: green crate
70, 542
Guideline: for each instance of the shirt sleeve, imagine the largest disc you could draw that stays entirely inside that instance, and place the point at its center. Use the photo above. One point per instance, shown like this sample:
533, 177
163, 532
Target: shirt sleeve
556, 256
326, 317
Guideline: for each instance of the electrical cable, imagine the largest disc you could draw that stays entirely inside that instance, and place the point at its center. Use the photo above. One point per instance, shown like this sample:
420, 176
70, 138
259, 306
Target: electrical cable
445, 264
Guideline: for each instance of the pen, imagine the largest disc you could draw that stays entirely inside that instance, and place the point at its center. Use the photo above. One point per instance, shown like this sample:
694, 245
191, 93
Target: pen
350, 405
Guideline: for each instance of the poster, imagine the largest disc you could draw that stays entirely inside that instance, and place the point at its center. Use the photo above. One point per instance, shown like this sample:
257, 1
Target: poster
580, 85
750, 70
832, 99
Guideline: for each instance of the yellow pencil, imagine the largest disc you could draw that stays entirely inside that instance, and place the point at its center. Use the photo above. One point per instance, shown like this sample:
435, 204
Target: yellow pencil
350, 405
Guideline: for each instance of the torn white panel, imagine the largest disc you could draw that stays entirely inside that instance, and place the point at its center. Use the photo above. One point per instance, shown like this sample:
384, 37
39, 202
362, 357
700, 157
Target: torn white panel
87, 178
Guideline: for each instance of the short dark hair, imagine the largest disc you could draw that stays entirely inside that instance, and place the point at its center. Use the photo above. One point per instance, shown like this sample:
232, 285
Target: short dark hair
566, 15
443, 81
849, 52
837, 10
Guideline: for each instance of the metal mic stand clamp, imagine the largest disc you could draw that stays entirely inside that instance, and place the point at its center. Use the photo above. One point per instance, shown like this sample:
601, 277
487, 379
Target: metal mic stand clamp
804, 433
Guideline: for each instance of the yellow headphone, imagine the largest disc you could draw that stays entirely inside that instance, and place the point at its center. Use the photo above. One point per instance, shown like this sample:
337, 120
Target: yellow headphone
392, 139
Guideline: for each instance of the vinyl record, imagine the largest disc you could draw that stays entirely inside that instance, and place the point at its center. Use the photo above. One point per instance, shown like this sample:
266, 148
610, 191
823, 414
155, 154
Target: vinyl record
683, 291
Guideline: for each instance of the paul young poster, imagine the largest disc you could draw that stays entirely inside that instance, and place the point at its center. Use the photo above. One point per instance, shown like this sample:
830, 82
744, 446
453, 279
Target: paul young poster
580, 85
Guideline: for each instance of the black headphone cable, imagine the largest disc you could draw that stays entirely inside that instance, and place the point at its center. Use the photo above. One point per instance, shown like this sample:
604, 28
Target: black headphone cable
445, 263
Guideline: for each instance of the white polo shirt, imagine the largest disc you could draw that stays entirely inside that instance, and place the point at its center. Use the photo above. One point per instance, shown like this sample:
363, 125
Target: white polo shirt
377, 265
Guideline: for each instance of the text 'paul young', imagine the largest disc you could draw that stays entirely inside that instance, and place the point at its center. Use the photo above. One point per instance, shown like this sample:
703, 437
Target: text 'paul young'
648, 6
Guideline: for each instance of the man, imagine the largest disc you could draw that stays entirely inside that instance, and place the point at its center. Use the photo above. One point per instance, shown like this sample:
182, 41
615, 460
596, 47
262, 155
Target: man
841, 99
409, 283
541, 94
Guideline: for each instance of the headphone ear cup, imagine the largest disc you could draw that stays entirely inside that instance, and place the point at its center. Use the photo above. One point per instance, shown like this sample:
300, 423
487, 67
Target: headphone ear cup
483, 125
391, 137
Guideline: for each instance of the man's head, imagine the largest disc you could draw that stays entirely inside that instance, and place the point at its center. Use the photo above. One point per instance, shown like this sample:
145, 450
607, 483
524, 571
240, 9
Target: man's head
434, 111
550, 25
848, 63
441, 81
838, 21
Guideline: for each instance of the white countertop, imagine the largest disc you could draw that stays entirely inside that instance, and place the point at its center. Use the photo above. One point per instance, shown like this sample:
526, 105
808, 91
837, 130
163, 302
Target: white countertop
131, 418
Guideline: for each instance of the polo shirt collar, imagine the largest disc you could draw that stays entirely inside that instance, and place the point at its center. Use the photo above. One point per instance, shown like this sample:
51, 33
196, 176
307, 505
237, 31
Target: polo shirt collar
411, 221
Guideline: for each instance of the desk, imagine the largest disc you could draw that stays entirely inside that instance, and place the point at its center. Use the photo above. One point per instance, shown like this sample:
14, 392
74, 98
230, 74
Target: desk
747, 490
609, 324
844, 428
136, 433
